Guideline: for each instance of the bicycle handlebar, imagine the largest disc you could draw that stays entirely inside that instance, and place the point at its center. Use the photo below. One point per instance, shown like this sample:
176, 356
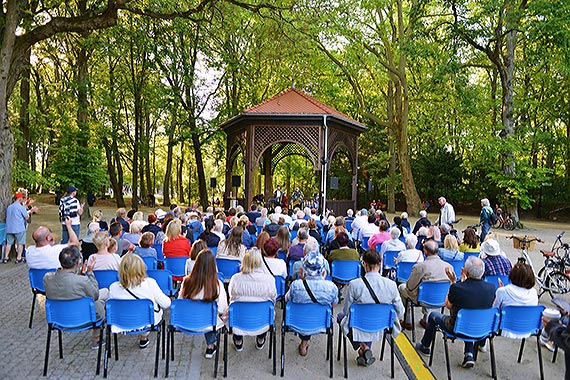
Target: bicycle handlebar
561, 234
524, 239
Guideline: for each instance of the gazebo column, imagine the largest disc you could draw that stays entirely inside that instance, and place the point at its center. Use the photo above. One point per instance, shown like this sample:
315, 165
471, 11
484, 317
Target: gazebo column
228, 184
248, 180
267, 158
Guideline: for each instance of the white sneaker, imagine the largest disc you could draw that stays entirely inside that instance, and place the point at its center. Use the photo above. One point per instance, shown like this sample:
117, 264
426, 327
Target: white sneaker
549, 345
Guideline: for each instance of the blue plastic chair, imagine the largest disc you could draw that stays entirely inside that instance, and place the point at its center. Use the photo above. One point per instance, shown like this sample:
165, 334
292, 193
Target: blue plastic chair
378, 247
472, 325
192, 318
281, 254
293, 234
524, 320
159, 254
290, 269
404, 270
432, 295
37, 284
150, 262
467, 254
106, 277
228, 267
364, 242
370, 318
134, 316
259, 229
176, 266
457, 267
71, 316
389, 259
214, 250
251, 316
280, 286
164, 280
299, 317
343, 271
2, 236
195, 235
348, 225
495, 280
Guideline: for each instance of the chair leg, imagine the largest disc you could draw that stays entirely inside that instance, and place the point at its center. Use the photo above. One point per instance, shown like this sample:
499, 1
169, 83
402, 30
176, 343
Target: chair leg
158, 337
383, 345
282, 351
431, 351
225, 353
168, 342
163, 339
270, 341
345, 356
391, 356
493, 362
340, 336
555, 354
98, 370
540, 364
521, 350
217, 358
413, 322
107, 354
116, 339
330, 349
32, 311
272, 348
47, 350
60, 344
447, 364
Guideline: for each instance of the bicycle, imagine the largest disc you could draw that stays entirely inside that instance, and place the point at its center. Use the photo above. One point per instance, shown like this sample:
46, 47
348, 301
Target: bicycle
560, 261
552, 277
504, 220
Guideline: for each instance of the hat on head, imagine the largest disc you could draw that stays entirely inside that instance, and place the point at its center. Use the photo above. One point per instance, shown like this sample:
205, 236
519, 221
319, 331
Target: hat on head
18, 195
364, 212
71, 189
313, 264
193, 214
491, 247
160, 213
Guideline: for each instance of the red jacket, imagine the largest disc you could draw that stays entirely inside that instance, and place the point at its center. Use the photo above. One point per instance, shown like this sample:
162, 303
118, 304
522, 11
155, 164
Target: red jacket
178, 247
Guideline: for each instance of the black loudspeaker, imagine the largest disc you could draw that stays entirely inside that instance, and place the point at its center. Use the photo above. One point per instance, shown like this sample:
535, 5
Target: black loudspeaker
236, 181
334, 183
368, 186
213, 182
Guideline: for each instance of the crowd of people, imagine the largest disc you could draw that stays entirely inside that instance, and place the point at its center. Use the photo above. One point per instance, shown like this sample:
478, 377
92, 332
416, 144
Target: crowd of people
300, 246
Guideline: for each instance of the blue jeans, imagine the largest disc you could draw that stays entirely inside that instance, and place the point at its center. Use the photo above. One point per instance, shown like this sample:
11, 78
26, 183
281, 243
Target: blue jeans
65, 235
485, 227
211, 337
434, 321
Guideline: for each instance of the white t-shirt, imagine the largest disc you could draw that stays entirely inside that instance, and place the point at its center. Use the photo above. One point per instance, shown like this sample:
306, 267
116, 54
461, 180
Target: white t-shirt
277, 266
46, 257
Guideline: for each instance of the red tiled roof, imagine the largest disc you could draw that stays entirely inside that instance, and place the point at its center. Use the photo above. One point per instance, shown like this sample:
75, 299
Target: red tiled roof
293, 101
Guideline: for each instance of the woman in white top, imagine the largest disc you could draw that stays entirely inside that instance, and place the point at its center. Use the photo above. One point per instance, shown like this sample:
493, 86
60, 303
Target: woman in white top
271, 264
411, 254
134, 284
232, 247
104, 260
252, 284
203, 284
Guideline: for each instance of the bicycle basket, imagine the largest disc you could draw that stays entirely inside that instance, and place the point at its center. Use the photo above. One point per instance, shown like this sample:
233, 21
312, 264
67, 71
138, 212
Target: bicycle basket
517, 242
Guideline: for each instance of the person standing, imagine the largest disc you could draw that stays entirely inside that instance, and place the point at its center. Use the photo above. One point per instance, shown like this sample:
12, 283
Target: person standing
485, 218
69, 207
446, 213
17, 217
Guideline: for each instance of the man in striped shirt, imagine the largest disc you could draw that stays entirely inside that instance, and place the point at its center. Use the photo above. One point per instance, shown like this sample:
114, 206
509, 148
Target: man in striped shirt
70, 207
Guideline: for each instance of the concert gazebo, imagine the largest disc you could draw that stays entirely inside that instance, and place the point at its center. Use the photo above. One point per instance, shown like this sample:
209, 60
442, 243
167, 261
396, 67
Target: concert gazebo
289, 123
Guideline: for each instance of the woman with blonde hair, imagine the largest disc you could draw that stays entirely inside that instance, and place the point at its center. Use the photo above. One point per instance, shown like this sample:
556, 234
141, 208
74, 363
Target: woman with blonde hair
98, 217
175, 245
103, 259
252, 284
450, 250
203, 284
232, 247
134, 284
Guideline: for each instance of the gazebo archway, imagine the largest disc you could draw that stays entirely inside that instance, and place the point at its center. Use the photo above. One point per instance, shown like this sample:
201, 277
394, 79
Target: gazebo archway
291, 122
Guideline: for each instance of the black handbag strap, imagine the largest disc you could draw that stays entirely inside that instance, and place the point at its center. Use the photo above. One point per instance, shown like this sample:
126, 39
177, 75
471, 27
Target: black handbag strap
134, 295
267, 265
376, 300
309, 292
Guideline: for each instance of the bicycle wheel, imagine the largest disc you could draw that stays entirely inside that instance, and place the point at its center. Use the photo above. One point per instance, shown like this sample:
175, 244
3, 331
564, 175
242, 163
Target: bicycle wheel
557, 283
510, 224
497, 224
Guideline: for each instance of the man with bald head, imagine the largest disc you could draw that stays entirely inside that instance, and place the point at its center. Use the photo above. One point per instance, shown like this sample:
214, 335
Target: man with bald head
45, 254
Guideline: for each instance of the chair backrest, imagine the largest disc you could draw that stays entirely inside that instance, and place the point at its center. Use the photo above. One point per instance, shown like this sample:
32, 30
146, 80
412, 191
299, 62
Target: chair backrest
476, 323
106, 277
251, 316
389, 259
129, 315
214, 250
433, 293
345, 270
378, 247
193, 316
290, 269
293, 234
176, 266
457, 267
348, 225
195, 236
280, 286
2, 233
403, 270
281, 254
308, 316
467, 254
521, 319
259, 229
158, 249
150, 262
364, 242
372, 317
72, 315
495, 280
164, 280
37, 279
228, 267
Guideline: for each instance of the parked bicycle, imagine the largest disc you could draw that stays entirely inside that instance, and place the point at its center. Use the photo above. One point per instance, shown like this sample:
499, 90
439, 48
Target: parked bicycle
559, 254
551, 277
504, 219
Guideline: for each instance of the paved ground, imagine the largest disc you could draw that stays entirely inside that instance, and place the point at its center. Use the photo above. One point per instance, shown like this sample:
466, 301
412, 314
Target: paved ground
23, 349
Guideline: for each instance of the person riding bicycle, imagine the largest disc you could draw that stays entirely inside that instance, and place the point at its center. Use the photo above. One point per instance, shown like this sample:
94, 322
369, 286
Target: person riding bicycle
485, 219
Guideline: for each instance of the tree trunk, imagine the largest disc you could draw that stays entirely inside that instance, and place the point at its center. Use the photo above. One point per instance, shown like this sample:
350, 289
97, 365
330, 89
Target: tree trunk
391, 149
202, 189
179, 183
24, 119
168, 172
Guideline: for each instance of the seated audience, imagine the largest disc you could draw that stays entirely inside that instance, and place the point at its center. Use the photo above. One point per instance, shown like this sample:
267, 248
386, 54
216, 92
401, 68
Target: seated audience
411, 254
87, 246
344, 252
197, 247
145, 249
450, 250
380, 237
496, 262
232, 247
175, 245
103, 260
394, 244
274, 265
45, 253
470, 241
